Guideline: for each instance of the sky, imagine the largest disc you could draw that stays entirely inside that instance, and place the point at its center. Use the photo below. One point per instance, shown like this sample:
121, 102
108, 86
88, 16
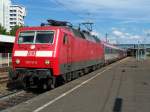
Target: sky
125, 21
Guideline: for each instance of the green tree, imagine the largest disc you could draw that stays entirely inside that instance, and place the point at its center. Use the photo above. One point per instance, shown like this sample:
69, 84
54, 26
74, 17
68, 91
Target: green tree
2, 30
14, 29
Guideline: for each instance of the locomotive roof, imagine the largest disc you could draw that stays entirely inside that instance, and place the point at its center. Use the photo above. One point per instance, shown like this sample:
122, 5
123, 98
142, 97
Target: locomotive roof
77, 32
85, 35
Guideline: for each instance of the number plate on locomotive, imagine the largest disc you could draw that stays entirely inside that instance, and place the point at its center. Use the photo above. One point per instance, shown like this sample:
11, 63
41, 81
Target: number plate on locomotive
31, 53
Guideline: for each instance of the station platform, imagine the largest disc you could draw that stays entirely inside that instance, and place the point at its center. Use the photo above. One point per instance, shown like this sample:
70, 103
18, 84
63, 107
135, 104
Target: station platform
123, 86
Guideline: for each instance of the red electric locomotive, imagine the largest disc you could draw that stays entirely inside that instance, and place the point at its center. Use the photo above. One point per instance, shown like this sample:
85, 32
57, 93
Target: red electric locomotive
54, 53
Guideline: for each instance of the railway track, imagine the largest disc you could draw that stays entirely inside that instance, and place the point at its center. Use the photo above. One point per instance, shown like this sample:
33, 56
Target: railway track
6, 94
4, 69
4, 74
16, 97
3, 77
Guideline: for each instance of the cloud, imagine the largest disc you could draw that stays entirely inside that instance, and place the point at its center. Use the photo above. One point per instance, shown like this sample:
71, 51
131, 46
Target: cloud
118, 33
135, 37
125, 37
147, 32
127, 10
124, 20
95, 5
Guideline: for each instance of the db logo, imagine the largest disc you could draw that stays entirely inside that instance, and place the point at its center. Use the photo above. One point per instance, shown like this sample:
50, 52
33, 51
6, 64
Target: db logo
31, 53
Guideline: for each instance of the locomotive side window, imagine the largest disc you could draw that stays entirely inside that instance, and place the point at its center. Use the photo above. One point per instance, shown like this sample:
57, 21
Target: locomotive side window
65, 39
26, 37
44, 37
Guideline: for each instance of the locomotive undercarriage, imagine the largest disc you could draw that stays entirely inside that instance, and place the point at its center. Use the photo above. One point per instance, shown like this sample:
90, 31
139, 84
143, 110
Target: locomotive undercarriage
30, 78
67, 77
43, 78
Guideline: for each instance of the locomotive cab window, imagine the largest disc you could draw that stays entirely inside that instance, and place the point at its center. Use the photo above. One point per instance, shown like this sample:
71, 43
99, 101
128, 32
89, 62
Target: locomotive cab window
38, 37
44, 37
26, 37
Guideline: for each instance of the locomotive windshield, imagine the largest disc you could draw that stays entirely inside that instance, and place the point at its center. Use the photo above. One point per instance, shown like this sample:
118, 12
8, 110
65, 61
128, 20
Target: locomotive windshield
26, 37
37, 37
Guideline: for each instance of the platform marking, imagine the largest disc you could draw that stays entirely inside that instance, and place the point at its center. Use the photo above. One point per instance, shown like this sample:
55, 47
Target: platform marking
76, 87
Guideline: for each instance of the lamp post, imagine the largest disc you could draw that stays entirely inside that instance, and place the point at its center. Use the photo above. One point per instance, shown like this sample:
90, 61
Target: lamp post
106, 37
144, 49
138, 57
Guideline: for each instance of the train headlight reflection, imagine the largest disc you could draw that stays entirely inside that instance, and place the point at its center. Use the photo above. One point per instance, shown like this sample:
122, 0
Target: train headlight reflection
47, 62
17, 61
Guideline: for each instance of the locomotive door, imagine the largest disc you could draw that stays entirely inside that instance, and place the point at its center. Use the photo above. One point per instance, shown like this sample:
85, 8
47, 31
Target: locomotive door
67, 40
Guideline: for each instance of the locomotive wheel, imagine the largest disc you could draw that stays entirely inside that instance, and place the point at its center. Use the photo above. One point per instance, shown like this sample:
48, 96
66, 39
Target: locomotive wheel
90, 69
45, 87
49, 84
94, 68
60, 80
26, 82
72, 75
86, 70
54, 83
40, 85
44, 84
68, 77
97, 66
77, 74
81, 73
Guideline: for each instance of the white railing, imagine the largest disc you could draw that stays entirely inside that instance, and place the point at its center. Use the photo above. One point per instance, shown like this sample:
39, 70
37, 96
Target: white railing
5, 60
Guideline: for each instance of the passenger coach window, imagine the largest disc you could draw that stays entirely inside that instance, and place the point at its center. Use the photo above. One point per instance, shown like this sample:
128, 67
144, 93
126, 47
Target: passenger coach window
44, 37
26, 37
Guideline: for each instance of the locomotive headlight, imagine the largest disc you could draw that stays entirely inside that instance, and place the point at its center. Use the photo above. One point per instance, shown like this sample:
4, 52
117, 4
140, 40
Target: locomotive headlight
47, 62
17, 61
